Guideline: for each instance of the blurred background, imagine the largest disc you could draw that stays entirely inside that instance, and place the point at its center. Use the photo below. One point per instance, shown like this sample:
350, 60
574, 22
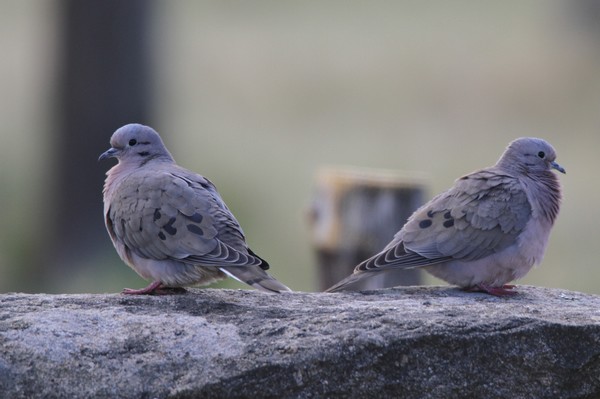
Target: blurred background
259, 95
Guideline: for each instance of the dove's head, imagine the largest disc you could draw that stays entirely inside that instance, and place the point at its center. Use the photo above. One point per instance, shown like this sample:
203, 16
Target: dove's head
529, 155
135, 143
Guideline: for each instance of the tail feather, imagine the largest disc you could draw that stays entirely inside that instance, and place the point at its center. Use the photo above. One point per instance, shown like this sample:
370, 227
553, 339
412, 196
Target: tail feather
348, 282
256, 277
369, 280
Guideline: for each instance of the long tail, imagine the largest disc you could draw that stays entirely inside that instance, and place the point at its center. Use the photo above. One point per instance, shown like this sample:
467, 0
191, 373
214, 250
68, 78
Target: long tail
368, 280
348, 282
256, 277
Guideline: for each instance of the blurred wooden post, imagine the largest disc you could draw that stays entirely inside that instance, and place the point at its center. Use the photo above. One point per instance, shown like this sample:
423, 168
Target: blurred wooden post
355, 214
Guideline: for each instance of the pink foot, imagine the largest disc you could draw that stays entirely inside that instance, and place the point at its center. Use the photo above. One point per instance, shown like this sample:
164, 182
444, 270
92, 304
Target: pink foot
504, 290
156, 288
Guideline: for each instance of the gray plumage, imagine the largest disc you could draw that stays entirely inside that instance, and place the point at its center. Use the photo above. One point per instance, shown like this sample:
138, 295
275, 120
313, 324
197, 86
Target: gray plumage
169, 224
489, 229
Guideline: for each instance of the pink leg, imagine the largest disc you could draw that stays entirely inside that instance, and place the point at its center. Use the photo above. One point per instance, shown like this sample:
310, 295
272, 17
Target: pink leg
504, 290
156, 288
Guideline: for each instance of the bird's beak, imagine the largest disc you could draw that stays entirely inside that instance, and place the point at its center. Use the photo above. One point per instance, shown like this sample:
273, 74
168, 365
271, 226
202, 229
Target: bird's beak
558, 167
111, 153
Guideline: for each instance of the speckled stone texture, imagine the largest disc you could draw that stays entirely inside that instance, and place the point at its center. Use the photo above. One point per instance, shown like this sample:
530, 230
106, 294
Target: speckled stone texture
414, 342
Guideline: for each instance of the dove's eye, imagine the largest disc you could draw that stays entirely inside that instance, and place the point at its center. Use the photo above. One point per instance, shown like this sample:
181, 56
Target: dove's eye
541, 154
132, 142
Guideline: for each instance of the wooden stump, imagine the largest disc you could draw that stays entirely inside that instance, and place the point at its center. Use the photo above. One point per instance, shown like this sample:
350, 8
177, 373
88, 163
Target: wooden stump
355, 214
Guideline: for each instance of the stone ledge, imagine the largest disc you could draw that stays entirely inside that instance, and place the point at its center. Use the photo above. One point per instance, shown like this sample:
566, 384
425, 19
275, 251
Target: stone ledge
413, 342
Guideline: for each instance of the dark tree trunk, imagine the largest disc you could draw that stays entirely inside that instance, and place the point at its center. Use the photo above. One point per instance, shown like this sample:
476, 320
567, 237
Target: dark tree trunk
104, 76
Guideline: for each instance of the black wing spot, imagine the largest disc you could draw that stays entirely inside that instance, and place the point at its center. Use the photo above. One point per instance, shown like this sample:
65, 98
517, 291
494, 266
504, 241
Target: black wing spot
157, 214
196, 217
192, 228
161, 235
449, 223
430, 213
425, 223
168, 227
447, 215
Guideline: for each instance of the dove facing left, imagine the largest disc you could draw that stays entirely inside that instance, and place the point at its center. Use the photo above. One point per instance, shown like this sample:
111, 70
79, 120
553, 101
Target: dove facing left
171, 225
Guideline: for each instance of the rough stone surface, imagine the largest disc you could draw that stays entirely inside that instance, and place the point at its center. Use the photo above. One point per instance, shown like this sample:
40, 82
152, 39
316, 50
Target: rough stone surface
414, 342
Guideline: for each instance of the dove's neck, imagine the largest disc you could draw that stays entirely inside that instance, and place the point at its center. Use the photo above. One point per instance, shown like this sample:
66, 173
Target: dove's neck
120, 171
161, 157
511, 164
543, 192
114, 175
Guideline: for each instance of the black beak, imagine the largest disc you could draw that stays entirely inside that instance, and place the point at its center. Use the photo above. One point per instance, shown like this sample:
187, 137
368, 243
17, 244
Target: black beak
111, 153
556, 166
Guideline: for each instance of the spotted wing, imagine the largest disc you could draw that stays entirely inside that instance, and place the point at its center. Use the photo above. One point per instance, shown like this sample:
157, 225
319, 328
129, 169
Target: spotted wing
481, 214
175, 214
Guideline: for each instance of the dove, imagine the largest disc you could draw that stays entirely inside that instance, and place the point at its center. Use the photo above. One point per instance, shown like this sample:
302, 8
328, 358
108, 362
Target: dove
171, 225
490, 228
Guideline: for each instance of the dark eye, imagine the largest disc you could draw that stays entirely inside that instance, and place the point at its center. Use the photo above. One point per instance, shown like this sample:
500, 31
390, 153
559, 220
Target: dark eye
541, 154
132, 142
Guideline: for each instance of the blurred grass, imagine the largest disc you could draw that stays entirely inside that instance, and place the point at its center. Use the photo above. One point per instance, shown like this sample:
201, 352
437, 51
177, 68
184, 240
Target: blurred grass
257, 96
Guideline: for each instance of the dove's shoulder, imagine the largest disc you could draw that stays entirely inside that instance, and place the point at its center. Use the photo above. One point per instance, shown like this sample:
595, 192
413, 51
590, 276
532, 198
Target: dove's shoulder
173, 213
482, 213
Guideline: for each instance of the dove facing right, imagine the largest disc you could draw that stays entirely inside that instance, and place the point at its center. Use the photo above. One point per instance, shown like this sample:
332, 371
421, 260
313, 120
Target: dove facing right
489, 229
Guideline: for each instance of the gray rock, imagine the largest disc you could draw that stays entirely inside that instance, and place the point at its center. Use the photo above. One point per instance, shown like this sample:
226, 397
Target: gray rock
415, 342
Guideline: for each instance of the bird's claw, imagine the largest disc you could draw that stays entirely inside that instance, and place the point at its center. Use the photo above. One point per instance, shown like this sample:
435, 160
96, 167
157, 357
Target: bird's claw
156, 288
504, 290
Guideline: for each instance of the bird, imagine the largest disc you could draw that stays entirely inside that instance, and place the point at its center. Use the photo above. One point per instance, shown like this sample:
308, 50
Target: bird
490, 228
171, 225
